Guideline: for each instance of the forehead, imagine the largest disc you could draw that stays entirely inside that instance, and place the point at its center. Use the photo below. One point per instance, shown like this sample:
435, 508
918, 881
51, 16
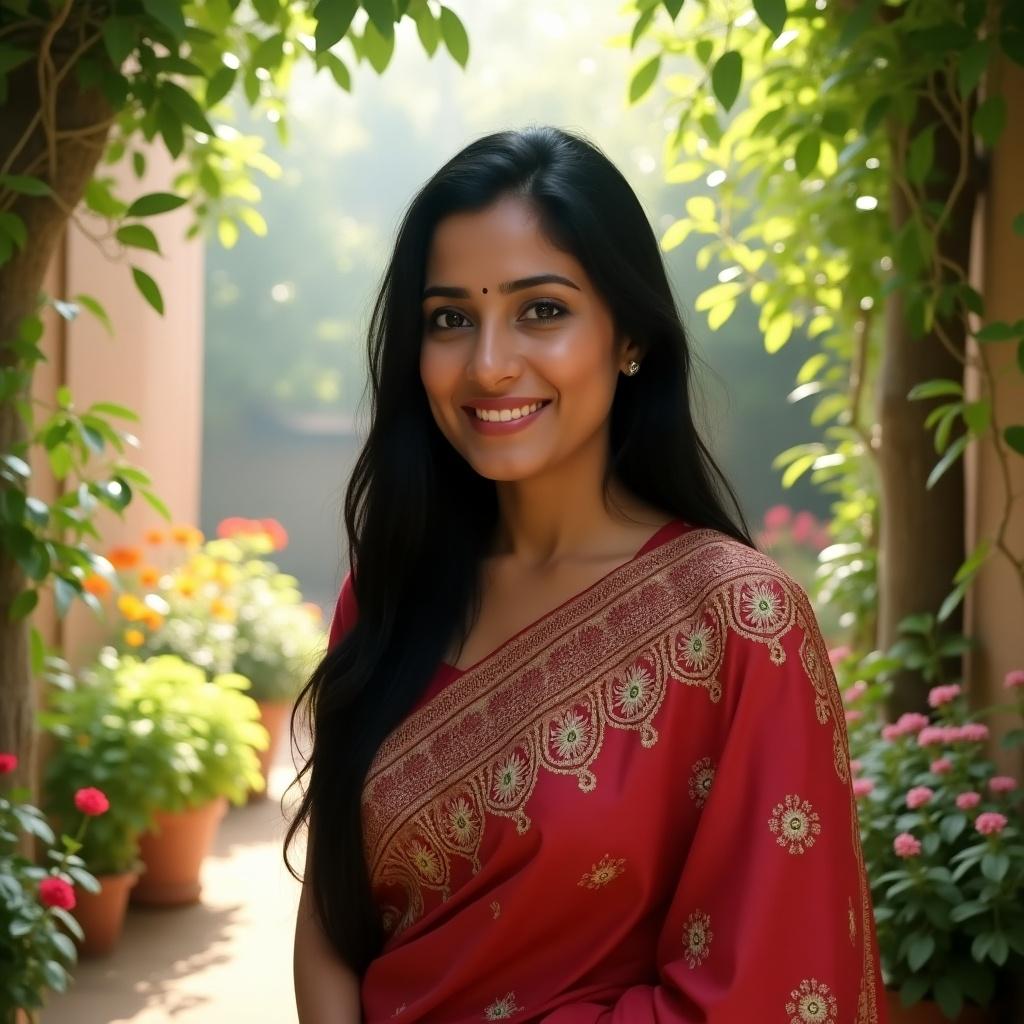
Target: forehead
500, 242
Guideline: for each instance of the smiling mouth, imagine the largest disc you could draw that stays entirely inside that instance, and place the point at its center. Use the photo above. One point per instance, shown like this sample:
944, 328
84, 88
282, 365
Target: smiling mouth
505, 415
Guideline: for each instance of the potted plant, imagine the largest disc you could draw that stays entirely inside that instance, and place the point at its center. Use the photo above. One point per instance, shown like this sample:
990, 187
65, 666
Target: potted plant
98, 739
941, 832
36, 953
198, 740
222, 605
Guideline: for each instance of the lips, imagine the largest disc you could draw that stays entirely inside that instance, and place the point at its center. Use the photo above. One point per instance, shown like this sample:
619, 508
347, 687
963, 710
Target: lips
504, 426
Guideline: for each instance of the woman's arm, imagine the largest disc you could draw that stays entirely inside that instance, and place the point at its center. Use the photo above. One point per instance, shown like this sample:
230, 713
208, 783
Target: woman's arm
326, 989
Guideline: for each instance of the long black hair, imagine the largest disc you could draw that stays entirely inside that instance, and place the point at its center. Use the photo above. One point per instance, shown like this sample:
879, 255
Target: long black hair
419, 518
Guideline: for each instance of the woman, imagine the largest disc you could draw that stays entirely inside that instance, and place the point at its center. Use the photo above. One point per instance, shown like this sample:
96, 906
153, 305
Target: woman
578, 752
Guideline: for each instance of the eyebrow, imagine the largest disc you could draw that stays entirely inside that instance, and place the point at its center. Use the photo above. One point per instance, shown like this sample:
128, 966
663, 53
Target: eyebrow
450, 292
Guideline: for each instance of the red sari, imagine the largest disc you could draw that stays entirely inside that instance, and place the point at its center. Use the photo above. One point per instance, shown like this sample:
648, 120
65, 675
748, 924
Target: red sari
638, 810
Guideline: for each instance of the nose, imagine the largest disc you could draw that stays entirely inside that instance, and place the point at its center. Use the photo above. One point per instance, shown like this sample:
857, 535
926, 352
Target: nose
494, 356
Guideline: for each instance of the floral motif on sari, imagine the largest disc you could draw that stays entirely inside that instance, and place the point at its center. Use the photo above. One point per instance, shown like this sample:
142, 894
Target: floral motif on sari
812, 1002
603, 872
502, 1009
795, 824
701, 778
697, 936
546, 699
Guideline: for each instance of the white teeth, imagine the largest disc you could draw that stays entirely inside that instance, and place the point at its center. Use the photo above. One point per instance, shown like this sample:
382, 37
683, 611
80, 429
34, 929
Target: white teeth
504, 415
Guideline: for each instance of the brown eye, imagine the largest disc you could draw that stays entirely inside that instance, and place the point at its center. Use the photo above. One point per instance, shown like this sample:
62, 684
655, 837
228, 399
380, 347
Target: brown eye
552, 310
449, 315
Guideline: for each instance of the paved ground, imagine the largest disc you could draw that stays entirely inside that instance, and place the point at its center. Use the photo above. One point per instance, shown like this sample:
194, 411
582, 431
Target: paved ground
227, 959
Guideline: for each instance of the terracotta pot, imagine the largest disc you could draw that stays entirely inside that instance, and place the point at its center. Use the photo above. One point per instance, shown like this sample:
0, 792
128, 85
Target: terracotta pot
101, 914
173, 854
928, 1012
274, 716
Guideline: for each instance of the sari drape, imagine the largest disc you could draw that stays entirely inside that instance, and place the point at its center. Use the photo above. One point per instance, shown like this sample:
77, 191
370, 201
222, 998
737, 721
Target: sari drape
637, 810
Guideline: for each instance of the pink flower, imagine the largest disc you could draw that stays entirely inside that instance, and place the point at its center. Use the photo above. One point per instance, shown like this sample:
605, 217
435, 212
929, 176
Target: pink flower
968, 801
836, 654
906, 725
933, 735
861, 787
1002, 784
905, 845
1014, 679
919, 796
91, 801
55, 892
803, 527
8, 762
941, 766
852, 715
990, 823
940, 695
856, 767
777, 516
856, 691
974, 732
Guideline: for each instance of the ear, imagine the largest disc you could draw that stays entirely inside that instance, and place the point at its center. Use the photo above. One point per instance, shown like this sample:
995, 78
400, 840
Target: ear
628, 349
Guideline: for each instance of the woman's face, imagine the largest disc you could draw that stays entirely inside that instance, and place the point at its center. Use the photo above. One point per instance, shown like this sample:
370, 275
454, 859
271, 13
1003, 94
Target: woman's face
492, 332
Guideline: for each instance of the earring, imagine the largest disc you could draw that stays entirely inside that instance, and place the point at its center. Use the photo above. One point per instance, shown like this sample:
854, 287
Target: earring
632, 367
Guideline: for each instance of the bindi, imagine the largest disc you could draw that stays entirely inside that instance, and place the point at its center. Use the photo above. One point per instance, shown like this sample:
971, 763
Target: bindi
485, 291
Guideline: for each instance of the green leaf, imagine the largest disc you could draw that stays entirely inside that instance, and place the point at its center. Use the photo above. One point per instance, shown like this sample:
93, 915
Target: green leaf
990, 119
973, 62
673, 7
807, 152
1000, 331
382, 14
1018, 224
1014, 437
921, 155
934, 388
641, 25
427, 29
23, 604
378, 47
726, 77
978, 415
149, 289
772, 13
676, 234
169, 14
220, 85
157, 504
112, 409
643, 78
333, 18
1020, 355
339, 71
963, 911
171, 129
948, 996
155, 203
994, 866
778, 333
954, 452
120, 36
96, 309
920, 950
186, 106
454, 34
796, 469
13, 227
138, 236
25, 185
950, 605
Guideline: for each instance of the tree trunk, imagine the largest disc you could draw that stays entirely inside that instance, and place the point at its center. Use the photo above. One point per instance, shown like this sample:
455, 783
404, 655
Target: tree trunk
922, 532
20, 282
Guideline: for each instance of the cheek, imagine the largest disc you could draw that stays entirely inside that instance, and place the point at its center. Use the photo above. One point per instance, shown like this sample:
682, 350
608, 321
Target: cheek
439, 371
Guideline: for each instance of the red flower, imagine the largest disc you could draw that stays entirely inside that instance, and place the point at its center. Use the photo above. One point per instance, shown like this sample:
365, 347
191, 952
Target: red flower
8, 762
55, 892
91, 801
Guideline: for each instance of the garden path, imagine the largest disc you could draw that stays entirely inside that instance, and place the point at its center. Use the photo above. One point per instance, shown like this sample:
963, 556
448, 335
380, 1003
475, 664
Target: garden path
224, 960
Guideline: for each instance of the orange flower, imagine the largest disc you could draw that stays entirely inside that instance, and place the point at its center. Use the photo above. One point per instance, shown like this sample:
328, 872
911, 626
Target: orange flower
277, 533
220, 609
153, 619
149, 575
227, 528
227, 575
187, 535
97, 585
134, 637
155, 536
186, 586
131, 607
124, 557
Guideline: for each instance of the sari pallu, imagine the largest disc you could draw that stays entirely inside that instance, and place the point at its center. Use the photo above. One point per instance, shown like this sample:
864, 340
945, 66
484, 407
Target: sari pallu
637, 810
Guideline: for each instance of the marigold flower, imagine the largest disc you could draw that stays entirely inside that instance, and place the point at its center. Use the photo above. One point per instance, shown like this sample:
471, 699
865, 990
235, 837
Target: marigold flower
92, 801
939, 695
1014, 679
919, 796
186, 535
131, 607
55, 892
861, 787
153, 619
906, 845
149, 575
8, 763
220, 609
990, 823
1002, 784
968, 801
186, 586
96, 585
124, 557
941, 766
155, 537
134, 637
